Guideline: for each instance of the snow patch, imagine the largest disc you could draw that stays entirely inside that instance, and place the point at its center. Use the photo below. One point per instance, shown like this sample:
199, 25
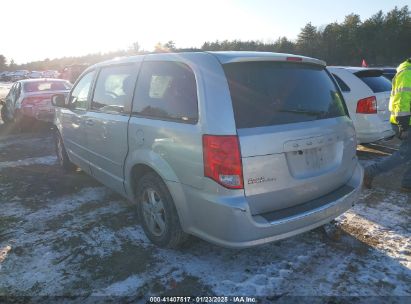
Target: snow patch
11, 140
388, 225
126, 287
42, 264
45, 160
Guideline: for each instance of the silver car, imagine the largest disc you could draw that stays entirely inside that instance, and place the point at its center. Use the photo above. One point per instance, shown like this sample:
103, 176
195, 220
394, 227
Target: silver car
237, 148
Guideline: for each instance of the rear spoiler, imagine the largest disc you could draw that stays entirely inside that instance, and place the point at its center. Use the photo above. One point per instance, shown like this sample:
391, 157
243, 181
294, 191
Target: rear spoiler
369, 73
233, 57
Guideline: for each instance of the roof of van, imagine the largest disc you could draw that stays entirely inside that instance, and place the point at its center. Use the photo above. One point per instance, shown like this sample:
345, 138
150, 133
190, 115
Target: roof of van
225, 57
355, 69
234, 56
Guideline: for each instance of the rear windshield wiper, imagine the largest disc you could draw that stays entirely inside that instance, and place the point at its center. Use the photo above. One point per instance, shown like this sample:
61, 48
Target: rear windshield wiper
306, 112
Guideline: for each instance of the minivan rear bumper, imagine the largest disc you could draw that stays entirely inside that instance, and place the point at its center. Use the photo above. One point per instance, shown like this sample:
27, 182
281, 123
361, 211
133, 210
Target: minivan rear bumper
227, 221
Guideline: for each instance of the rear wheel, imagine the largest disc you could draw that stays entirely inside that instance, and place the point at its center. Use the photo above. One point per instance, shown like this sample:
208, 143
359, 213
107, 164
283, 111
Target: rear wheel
62, 156
4, 115
157, 212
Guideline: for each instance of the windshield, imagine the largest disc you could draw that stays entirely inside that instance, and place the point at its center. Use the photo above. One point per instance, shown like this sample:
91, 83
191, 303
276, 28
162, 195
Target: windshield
273, 93
46, 86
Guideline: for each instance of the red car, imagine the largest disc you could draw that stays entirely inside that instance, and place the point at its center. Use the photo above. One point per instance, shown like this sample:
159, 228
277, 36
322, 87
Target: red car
31, 99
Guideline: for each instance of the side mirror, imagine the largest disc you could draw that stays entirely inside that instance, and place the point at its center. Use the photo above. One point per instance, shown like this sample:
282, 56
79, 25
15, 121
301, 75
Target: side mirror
59, 100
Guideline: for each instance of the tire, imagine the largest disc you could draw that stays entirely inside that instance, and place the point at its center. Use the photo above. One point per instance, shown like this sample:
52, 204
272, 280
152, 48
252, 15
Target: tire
62, 155
157, 213
4, 116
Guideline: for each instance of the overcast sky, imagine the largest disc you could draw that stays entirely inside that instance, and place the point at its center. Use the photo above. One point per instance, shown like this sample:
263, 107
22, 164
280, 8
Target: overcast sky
39, 29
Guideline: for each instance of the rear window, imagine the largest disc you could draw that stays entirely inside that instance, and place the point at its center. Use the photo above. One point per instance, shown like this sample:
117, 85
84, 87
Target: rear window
274, 93
46, 86
377, 84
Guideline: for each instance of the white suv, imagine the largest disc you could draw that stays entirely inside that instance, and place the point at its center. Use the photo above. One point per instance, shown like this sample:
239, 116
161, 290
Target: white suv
367, 93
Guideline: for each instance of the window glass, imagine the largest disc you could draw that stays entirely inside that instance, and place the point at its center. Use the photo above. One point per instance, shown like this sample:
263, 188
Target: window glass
377, 84
12, 90
10, 96
167, 90
343, 86
389, 76
114, 89
273, 93
80, 93
17, 92
46, 86
389, 73
159, 85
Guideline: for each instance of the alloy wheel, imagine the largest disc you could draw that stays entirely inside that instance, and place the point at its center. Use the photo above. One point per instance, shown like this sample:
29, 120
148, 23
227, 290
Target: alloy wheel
154, 212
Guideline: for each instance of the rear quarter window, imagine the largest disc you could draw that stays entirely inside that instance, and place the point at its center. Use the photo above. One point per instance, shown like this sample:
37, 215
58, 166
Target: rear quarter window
167, 91
274, 93
343, 86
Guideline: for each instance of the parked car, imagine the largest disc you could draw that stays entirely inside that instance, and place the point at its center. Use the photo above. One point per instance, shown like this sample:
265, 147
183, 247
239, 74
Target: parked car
6, 76
31, 99
19, 75
50, 74
3, 75
367, 94
72, 72
35, 74
237, 148
389, 73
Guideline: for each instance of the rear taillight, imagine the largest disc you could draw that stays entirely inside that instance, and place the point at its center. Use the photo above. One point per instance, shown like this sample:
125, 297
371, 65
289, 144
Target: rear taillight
222, 160
367, 105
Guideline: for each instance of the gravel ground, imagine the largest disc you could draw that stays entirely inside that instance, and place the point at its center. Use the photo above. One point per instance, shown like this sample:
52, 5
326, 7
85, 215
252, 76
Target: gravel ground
69, 235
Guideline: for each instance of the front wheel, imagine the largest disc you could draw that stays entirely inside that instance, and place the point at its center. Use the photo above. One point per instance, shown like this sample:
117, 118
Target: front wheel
62, 156
157, 212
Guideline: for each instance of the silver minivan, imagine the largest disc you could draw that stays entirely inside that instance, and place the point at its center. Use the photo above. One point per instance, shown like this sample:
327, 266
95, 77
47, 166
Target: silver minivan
237, 148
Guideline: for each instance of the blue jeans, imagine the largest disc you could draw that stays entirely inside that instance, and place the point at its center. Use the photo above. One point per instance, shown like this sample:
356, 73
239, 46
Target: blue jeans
400, 157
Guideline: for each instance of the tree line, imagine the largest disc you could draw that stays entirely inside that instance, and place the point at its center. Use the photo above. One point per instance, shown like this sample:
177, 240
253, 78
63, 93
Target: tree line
382, 39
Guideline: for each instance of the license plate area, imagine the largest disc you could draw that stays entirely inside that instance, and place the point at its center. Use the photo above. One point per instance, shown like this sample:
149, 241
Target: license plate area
314, 161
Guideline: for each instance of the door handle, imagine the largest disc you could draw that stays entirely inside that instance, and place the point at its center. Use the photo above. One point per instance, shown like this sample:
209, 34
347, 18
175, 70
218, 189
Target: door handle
89, 122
